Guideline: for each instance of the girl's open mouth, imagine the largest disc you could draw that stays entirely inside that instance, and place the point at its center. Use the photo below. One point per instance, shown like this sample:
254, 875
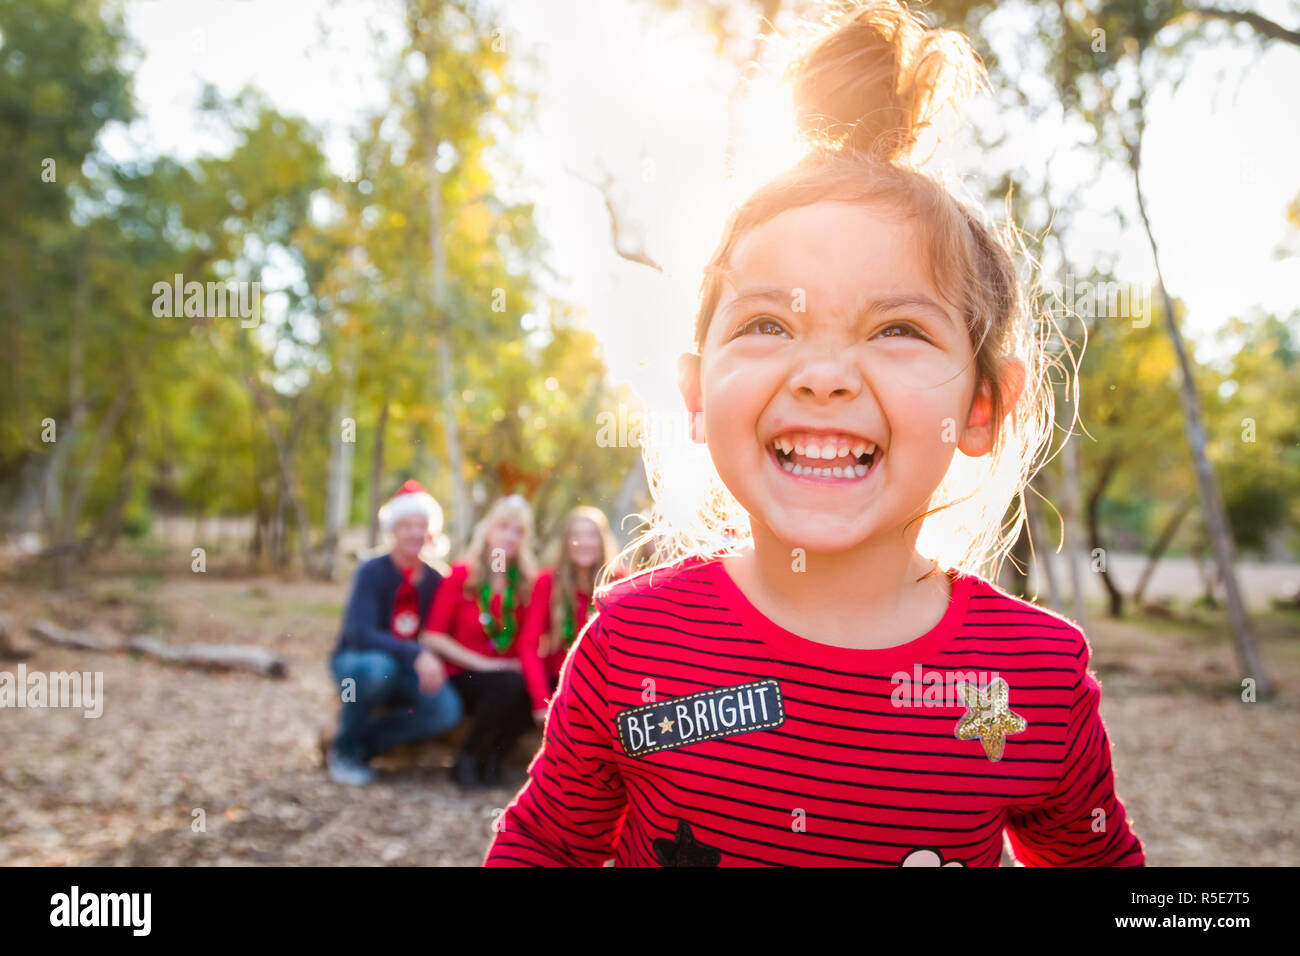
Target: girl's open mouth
843, 458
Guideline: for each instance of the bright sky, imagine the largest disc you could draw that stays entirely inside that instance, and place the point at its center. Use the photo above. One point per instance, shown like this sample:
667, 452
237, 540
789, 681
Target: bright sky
642, 97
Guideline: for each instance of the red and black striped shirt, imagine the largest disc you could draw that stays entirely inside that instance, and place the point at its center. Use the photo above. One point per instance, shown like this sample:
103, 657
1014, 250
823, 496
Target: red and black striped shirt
831, 755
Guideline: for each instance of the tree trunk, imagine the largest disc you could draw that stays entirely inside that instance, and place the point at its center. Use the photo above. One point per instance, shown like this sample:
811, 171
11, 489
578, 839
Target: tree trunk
1158, 550
90, 467
1216, 518
289, 496
280, 529
377, 474
1044, 555
1073, 500
1094, 536
1204, 575
425, 41
109, 527
27, 504
58, 523
338, 497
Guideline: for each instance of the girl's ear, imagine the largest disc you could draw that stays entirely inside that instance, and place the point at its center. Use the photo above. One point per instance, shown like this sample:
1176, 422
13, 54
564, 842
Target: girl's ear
688, 383
977, 436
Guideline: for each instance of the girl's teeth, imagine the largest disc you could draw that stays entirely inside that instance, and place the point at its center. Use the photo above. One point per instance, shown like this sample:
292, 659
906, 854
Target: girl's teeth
826, 451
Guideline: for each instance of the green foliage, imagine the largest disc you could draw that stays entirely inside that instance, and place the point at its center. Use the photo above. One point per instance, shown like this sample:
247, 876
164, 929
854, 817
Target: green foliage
207, 415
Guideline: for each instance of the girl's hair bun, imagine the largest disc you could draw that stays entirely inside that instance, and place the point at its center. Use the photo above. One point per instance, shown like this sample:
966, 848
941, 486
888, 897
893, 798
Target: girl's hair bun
873, 82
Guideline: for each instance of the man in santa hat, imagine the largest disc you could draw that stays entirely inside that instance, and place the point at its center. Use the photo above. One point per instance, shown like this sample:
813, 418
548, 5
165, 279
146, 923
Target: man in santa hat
393, 689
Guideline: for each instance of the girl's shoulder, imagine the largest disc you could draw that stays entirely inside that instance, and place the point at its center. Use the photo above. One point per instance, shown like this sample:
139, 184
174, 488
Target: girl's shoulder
991, 611
691, 574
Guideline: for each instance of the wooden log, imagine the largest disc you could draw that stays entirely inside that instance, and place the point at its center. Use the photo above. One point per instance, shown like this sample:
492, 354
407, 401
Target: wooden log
51, 633
220, 657
223, 657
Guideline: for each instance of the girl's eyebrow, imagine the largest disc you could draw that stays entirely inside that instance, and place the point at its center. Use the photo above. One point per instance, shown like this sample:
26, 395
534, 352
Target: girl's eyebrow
868, 308
897, 302
783, 296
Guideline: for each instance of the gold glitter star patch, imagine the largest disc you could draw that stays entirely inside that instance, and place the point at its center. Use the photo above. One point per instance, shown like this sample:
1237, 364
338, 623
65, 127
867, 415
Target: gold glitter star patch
988, 718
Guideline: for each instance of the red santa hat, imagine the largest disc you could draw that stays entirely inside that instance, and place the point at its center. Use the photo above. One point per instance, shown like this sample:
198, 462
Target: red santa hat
411, 499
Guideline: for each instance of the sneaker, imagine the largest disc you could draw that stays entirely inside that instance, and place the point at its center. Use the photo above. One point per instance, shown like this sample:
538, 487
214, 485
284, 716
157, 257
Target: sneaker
348, 770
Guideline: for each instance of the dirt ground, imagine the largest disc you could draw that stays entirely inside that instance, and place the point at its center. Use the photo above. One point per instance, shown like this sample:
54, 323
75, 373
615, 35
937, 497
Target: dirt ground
186, 767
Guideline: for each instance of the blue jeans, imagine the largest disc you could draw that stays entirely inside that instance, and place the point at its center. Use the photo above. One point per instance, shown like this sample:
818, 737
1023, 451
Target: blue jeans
381, 681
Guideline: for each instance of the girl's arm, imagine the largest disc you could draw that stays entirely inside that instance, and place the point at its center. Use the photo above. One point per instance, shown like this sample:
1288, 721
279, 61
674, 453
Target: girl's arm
1082, 823
571, 809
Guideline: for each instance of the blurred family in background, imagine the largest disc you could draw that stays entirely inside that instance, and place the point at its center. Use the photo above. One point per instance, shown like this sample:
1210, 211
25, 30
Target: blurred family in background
481, 644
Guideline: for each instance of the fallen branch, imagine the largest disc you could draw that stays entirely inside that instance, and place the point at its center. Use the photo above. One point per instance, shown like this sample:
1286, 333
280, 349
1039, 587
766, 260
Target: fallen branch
51, 633
216, 657
225, 657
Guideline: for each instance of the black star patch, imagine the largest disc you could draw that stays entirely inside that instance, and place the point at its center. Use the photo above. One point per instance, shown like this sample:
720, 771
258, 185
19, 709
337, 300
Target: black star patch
685, 850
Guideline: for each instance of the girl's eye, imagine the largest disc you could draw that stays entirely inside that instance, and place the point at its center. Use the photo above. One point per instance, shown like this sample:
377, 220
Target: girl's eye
762, 323
900, 330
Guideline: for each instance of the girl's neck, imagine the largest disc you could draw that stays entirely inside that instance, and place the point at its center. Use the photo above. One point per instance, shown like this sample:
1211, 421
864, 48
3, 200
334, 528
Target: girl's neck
865, 597
584, 579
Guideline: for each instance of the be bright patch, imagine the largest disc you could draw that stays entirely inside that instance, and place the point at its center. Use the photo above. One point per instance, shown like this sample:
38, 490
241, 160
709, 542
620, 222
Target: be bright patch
707, 715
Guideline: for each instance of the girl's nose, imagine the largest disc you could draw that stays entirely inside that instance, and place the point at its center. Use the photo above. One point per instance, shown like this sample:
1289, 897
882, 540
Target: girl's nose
826, 376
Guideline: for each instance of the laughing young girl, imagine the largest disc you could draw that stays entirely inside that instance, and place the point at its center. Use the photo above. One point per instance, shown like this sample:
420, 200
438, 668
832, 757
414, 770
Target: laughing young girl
841, 687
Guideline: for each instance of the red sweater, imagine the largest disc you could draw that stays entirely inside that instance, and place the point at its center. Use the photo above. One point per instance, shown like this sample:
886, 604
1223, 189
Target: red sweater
688, 729
454, 614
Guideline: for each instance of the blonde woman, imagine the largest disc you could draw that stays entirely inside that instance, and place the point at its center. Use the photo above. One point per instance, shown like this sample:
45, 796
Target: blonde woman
474, 625
562, 599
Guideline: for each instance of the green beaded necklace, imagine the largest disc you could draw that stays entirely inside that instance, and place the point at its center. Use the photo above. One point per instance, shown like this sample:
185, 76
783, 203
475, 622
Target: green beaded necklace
500, 635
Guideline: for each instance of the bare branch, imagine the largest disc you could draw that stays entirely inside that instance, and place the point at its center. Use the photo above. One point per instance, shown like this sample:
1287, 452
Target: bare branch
1261, 25
616, 231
